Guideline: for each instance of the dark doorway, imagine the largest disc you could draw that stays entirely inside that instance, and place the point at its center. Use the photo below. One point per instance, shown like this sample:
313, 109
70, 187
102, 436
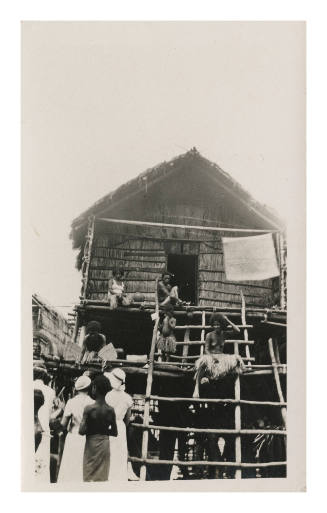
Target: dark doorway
184, 269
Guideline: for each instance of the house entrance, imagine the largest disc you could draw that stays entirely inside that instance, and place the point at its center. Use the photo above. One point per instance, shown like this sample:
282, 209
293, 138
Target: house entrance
184, 268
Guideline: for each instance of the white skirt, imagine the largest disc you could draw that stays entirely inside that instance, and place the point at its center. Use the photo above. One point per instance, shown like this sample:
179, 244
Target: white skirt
118, 454
71, 468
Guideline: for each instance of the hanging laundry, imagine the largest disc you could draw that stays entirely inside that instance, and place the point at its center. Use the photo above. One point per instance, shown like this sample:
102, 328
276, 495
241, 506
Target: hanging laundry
250, 258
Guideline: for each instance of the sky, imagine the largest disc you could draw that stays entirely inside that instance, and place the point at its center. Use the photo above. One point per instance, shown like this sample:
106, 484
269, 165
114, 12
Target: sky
102, 102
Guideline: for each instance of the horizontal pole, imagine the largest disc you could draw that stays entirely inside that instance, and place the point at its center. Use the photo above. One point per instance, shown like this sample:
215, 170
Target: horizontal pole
207, 327
211, 400
275, 324
209, 430
186, 226
196, 357
200, 342
207, 463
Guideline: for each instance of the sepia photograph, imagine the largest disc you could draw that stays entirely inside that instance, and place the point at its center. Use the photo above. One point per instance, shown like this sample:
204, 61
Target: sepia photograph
163, 165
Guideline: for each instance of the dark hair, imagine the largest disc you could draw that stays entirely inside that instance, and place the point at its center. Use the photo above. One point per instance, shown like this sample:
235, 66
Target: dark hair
217, 317
93, 327
119, 270
40, 373
166, 273
94, 342
38, 400
102, 385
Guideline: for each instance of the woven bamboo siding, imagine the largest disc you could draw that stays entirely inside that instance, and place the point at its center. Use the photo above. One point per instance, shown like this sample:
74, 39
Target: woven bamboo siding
143, 260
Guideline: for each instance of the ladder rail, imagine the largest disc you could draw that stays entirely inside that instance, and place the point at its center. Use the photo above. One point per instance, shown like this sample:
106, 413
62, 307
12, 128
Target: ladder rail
146, 415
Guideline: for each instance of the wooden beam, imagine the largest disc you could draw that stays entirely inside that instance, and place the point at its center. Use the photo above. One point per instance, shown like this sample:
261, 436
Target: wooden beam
186, 226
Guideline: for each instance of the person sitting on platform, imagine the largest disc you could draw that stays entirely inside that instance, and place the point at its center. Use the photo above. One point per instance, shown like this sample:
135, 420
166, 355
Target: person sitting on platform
214, 364
166, 293
116, 290
166, 342
93, 342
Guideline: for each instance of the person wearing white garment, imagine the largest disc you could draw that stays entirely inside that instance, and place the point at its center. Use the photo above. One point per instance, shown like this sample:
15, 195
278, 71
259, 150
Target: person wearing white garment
42, 455
122, 403
71, 468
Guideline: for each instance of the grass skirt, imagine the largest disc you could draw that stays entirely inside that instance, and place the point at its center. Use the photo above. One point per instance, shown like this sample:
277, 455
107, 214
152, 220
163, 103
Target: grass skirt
167, 344
216, 366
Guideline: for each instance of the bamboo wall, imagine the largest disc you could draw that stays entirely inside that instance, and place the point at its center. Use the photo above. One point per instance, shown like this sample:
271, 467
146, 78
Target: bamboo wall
144, 260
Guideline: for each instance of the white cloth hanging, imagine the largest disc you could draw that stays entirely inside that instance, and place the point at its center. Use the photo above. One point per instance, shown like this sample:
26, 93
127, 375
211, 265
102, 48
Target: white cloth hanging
250, 258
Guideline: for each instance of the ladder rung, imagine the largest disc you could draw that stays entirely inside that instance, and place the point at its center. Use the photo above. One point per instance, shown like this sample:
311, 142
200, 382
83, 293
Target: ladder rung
199, 342
196, 357
207, 326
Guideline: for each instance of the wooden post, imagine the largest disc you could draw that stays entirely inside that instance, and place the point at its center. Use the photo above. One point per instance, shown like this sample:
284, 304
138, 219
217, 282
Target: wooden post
277, 380
76, 326
87, 256
238, 449
185, 347
146, 417
203, 332
282, 265
245, 331
81, 336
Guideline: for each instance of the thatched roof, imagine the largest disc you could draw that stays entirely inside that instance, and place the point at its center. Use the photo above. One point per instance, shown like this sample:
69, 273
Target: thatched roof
158, 173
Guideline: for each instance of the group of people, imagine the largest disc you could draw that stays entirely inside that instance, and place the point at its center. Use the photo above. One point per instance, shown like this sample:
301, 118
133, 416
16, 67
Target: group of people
93, 424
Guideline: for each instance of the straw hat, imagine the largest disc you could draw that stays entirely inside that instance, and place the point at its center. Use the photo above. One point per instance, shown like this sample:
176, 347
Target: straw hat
82, 382
117, 378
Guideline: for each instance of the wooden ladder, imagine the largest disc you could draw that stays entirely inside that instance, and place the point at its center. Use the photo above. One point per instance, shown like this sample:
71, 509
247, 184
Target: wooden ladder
184, 359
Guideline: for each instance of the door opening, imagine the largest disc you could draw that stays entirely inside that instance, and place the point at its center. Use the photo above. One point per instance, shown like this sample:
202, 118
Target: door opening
184, 270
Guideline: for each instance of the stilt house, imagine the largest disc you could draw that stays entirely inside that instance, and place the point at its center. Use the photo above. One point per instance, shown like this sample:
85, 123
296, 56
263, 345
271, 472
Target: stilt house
173, 217
187, 192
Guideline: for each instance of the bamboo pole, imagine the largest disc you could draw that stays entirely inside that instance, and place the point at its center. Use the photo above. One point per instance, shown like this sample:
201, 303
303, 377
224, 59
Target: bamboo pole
186, 226
275, 324
203, 320
195, 357
211, 430
207, 463
245, 332
146, 416
87, 255
223, 401
281, 270
277, 380
76, 326
238, 451
186, 344
207, 327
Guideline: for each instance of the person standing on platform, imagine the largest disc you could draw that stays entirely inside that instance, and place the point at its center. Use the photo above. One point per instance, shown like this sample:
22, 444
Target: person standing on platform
98, 423
71, 468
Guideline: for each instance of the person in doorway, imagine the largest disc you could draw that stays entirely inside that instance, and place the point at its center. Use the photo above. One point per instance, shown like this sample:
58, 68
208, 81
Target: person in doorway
122, 403
71, 468
166, 293
116, 290
166, 342
98, 423
214, 364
